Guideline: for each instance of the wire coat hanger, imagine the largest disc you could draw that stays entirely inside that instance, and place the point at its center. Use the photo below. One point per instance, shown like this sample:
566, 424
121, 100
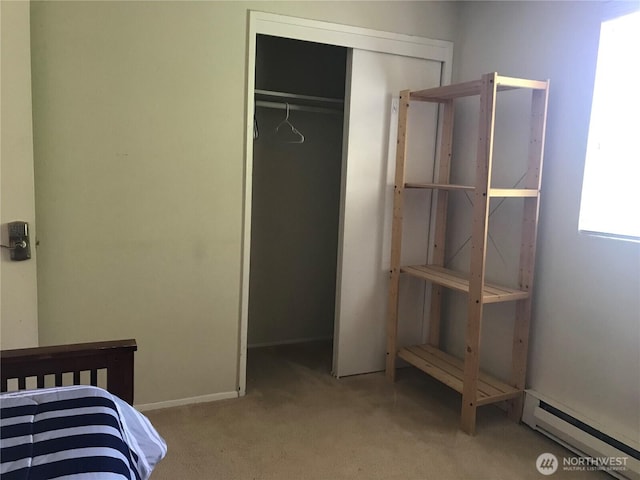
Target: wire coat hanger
298, 137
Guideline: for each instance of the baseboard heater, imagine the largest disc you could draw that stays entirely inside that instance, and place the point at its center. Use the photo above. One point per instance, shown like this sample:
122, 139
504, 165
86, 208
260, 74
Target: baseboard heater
594, 448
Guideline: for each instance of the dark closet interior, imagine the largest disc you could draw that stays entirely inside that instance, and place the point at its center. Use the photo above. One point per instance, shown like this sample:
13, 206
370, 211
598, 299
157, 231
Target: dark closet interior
297, 165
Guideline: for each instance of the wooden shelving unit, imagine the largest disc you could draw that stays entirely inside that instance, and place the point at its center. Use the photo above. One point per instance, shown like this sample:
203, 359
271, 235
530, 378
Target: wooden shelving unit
464, 376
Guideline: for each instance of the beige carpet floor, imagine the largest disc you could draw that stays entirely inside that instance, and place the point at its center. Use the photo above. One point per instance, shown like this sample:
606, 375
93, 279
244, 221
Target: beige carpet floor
298, 422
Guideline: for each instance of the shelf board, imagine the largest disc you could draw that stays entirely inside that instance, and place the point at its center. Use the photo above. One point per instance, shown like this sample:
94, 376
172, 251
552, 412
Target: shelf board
513, 192
448, 92
459, 281
509, 83
439, 186
493, 192
466, 89
450, 371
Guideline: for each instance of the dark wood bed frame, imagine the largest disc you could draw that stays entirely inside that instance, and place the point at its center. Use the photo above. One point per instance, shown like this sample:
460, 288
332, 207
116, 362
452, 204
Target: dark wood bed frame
114, 356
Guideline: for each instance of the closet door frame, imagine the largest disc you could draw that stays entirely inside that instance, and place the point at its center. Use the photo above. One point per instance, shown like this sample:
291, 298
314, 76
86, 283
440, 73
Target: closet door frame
330, 34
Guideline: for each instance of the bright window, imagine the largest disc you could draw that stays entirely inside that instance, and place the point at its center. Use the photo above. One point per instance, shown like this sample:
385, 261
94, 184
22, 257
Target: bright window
611, 187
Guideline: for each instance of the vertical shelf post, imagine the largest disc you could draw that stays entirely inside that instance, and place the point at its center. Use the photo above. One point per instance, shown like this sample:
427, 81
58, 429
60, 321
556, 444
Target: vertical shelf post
531, 209
396, 236
479, 232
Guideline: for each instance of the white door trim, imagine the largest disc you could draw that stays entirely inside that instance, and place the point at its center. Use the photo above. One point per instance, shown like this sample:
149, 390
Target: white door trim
331, 34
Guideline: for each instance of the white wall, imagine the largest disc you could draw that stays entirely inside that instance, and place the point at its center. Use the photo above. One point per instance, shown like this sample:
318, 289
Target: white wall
18, 290
585, 332
139, 156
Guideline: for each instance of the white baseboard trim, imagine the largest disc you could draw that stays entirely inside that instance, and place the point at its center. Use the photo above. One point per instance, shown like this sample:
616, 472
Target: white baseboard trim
289, 342
213, 397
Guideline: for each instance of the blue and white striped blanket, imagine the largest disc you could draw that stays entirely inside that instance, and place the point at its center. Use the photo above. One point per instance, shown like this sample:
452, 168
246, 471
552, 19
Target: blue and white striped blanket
75, 432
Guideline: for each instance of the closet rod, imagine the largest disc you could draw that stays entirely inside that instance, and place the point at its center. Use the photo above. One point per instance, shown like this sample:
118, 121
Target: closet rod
303, 108
297, 98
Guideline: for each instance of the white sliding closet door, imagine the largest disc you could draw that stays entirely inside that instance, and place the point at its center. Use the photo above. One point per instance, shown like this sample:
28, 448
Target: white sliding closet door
374, 82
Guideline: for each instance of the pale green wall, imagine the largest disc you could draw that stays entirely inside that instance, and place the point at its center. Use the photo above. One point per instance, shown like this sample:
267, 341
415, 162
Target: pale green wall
18, 291
139, 144
585, 327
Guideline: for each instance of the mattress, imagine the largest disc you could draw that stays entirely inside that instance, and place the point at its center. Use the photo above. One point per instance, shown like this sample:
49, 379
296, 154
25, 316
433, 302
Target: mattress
78, 432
